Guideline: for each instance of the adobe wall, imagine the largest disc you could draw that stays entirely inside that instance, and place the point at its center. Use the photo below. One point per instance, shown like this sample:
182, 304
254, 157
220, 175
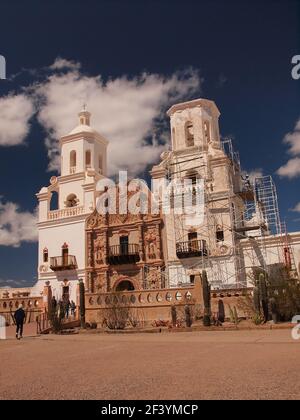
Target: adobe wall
230, 298
147, 305
32, 307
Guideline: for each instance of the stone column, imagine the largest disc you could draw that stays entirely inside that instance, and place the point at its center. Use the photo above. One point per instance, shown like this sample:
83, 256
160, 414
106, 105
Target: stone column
82, 303
158, 240
89, 250
106, 245
198, 291
47, 296
141, 242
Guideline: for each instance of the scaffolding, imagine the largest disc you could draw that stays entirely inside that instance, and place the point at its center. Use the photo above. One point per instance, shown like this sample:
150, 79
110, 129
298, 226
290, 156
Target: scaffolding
259, 219
266, 195
234, 156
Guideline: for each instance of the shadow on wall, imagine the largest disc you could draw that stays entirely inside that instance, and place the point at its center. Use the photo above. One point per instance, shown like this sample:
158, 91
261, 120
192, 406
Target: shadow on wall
72, 276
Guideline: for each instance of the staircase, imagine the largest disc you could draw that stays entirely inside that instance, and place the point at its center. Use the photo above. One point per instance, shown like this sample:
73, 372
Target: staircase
43, 325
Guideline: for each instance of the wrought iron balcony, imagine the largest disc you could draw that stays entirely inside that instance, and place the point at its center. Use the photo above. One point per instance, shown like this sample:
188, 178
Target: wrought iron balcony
123, 254
193, 248
67, 262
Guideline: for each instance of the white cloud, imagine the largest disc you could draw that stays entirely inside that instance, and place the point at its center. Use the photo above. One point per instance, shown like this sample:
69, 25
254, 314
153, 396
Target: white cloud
9, 284
255, 173
16, 226
15, 112
296, 208
293, 140
128, 112
292, 168
61, 63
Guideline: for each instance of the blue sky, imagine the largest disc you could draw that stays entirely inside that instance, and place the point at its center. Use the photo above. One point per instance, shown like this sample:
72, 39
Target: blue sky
143, 56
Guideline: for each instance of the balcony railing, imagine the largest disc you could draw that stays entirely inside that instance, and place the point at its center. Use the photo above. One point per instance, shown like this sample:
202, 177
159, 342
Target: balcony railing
66, 262
123, 254
68, 212
193, 248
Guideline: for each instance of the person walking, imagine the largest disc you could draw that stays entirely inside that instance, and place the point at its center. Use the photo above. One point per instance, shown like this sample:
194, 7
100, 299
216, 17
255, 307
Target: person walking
19, 318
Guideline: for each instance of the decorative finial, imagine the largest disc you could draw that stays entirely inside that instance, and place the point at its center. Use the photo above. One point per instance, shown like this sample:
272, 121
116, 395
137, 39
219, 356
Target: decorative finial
84, 116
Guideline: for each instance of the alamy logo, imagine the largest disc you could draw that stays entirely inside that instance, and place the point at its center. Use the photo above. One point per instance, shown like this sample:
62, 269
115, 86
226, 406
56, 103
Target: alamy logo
2, 328
185, 197
2, 67
296, 68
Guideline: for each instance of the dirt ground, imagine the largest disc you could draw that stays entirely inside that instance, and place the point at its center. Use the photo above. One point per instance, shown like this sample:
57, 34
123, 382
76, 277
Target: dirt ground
198, 365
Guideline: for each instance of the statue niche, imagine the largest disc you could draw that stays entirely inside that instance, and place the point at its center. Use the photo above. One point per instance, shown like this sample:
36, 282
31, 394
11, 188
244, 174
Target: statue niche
154, 278
99, 250
152, 250
101, 283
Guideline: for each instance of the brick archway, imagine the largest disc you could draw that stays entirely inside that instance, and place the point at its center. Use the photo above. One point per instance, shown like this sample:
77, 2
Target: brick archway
124, 284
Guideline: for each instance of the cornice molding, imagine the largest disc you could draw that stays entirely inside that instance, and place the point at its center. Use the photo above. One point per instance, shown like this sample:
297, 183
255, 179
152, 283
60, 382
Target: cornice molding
193, 104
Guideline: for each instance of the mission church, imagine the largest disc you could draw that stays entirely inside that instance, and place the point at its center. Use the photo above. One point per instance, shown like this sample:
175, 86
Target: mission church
241, 232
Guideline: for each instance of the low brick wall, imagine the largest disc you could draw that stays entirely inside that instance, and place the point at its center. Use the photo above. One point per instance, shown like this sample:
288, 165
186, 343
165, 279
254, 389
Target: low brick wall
31, 305
149, 305
230, 298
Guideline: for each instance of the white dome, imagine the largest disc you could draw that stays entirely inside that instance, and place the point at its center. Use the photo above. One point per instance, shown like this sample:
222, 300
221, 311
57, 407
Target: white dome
82, 128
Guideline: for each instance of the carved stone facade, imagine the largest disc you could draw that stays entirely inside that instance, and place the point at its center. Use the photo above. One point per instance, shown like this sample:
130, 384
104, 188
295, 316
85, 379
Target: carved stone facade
123, 251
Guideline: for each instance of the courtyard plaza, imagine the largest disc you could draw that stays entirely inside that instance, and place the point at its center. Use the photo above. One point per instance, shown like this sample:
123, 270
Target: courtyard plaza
257, 364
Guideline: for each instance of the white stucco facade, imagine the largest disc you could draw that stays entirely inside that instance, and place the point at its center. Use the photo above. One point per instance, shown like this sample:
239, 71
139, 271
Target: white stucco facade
62, 251
220, 243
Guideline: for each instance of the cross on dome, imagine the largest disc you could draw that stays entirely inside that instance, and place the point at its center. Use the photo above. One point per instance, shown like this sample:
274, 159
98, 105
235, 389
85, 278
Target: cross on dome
84, 116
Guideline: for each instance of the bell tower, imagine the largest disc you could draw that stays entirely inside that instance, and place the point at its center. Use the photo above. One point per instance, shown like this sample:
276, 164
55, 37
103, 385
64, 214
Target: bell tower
83, 148
197, 155
61, 224
194, 124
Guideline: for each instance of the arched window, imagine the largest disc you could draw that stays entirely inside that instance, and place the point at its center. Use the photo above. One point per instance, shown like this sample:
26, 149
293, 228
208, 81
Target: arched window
193, 177
124, 242
189, 134
73, 162
45, 255
207, 131
88, 159
125, 285
71, 201
219, 234
193, 242
54, 200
